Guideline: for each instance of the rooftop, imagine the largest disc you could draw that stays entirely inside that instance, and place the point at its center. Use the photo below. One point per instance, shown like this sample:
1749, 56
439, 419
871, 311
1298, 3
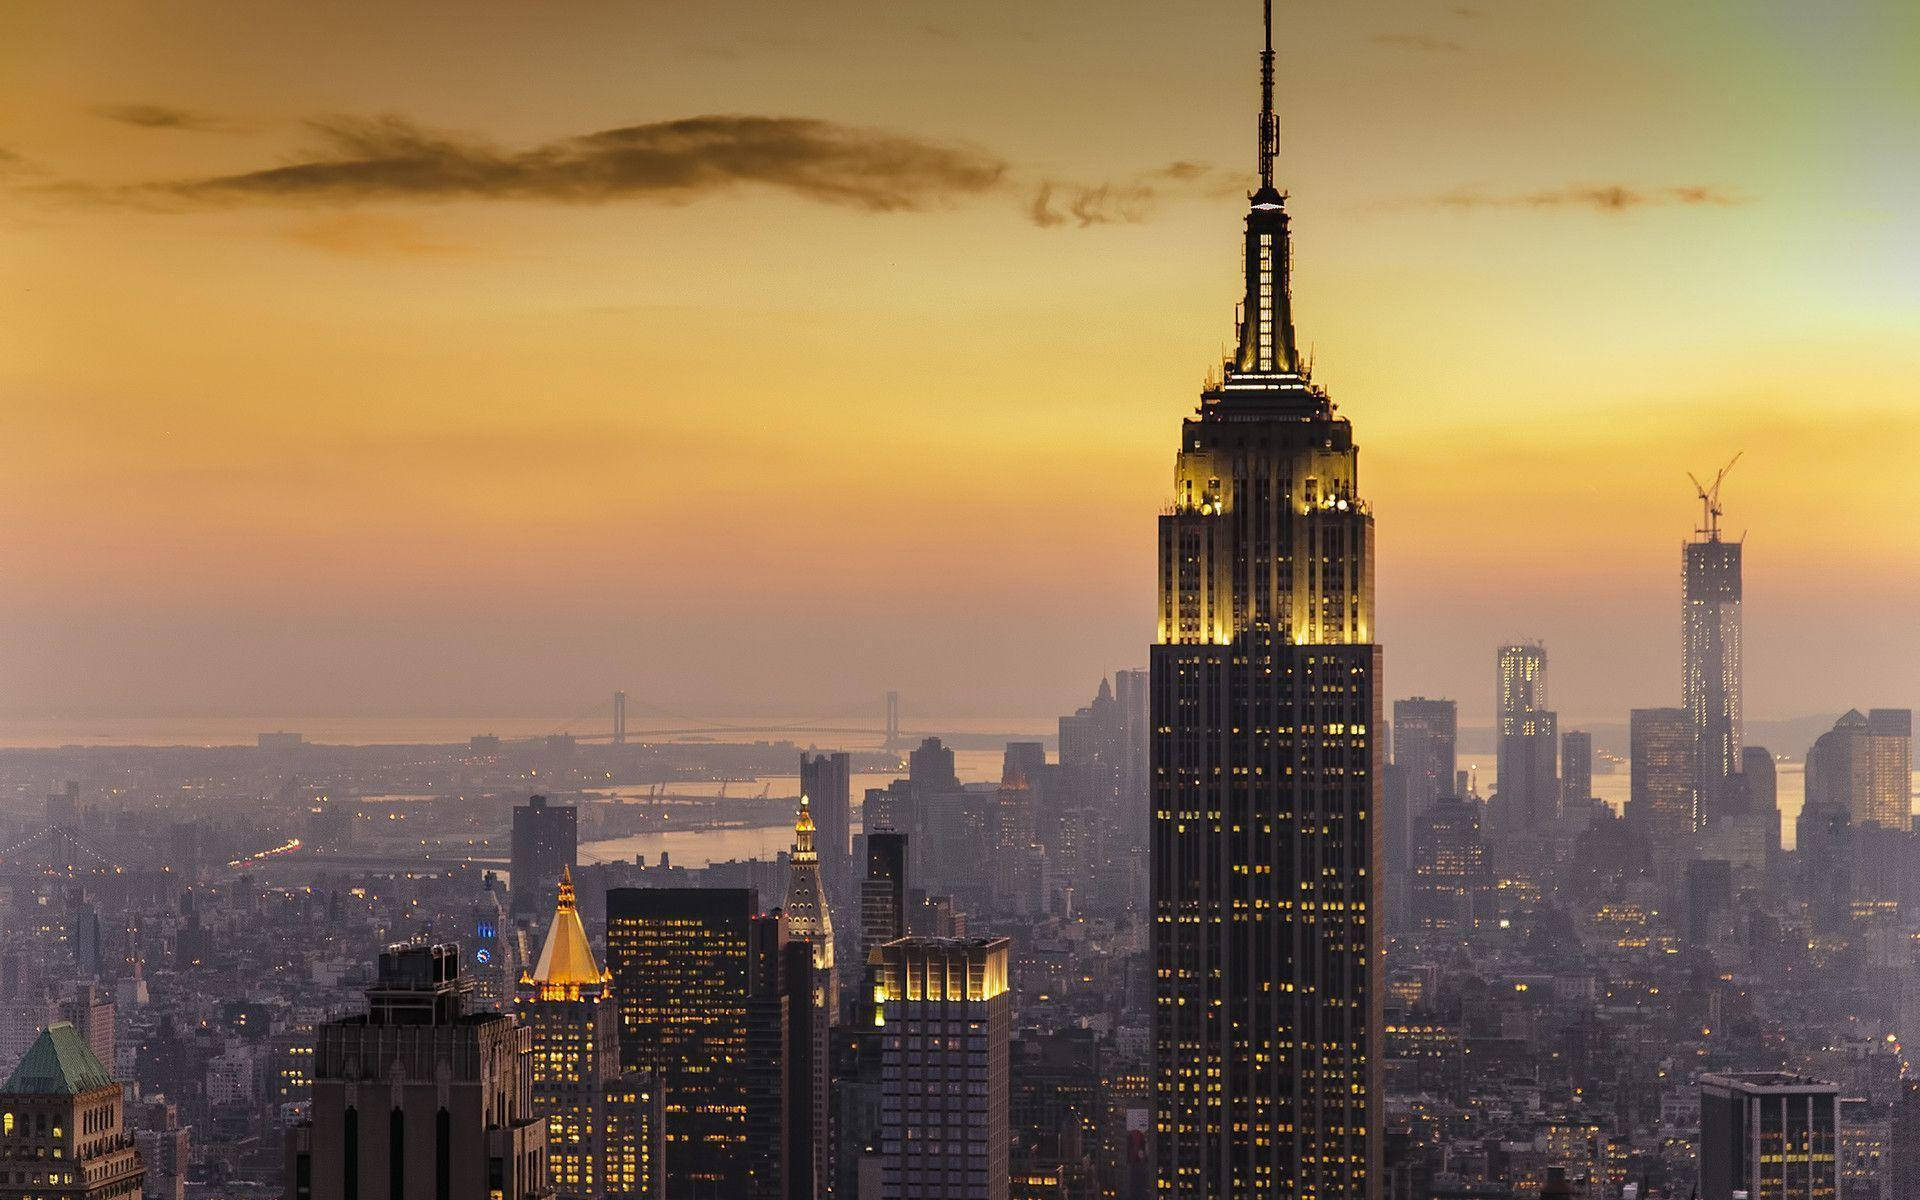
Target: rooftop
59, 1063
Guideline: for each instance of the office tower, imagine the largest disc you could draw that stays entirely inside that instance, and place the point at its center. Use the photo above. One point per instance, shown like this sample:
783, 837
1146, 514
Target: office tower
1761, 784
1265, 713
930, 766
420, 1097
545, 843
697, 981
1425, 736
1664, 798
1770, 1136
1057, 1112
826, 781
62, 1132
1863, 767
1709, 894
1450, 875
636, 1116
814, 1003
1576, 769
883, 893
1527, 782
1890, 767
1710, 625
944, 1131
93, 1013
1133, 695
563, 1002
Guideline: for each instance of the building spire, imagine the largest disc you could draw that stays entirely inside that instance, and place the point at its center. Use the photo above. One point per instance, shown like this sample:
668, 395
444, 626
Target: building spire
1266, 338
1269, 124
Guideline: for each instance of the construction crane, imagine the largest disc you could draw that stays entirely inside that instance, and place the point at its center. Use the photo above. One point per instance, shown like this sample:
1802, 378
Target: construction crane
1710, 509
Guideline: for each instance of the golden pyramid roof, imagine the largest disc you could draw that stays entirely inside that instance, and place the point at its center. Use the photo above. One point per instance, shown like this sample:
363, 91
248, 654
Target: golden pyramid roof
566, 960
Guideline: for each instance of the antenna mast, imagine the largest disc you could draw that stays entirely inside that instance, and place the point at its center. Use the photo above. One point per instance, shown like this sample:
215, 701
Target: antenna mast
1269, 125
1710, 509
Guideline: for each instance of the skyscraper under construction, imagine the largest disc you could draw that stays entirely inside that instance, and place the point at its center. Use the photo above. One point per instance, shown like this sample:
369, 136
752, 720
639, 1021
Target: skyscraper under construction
1710, 628
1265, 767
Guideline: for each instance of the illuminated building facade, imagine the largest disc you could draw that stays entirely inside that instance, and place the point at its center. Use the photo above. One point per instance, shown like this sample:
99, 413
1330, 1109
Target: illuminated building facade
1527, 781
1265, 765
1664, 800
62, 1136
420, 1097
1769, 1136
1863, 768
697, 982
815, 988
576, 1049
1890, 767
948, 1025
1451, 875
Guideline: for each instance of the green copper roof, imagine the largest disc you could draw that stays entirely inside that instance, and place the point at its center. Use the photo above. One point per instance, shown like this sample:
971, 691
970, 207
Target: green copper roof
58, 1063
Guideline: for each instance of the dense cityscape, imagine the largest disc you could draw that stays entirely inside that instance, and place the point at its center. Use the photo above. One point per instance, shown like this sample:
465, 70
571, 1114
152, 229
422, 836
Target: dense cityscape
1243, 925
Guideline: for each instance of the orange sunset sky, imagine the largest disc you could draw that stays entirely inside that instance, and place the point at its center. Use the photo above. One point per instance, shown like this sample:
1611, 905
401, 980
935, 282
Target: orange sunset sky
409, 358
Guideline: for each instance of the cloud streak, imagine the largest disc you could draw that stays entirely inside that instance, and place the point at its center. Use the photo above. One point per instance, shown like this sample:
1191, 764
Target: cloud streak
1595, 197
162, 116
356, 160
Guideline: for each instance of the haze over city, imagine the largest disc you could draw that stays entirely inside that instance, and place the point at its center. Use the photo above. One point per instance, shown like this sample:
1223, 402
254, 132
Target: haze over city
362, 359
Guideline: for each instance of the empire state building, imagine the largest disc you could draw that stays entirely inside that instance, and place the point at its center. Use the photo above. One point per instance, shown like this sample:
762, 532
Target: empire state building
1265, 767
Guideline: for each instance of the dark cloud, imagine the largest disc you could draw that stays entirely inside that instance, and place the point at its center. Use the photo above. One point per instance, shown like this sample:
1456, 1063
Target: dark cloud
161, 116
1606, 198
1418, 41
389, 158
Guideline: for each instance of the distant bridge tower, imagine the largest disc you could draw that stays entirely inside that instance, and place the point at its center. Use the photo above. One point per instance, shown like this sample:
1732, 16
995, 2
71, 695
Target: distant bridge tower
893, 743
619, 718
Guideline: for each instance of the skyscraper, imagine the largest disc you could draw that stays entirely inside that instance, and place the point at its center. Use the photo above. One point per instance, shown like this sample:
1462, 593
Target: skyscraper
1769, 1137
1760, 781
1710, 625
1665, 797
809, 922
826, 780
697, 977
1863, 767
1425, 736
1890, 767
1527, 781
948, 1023
575, 1049
1576, 768
419, 1096
1265, 713
545, 843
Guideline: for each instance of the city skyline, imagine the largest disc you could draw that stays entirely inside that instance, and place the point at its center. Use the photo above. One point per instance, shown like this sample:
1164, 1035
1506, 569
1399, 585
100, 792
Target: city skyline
546, 402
